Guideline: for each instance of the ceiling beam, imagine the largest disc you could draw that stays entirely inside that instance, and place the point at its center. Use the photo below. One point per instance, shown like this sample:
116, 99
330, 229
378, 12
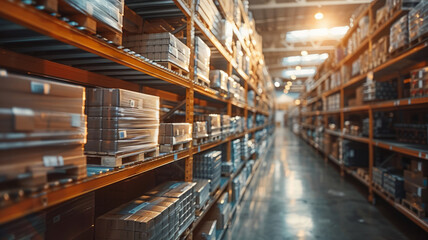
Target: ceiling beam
272, 4
298, 49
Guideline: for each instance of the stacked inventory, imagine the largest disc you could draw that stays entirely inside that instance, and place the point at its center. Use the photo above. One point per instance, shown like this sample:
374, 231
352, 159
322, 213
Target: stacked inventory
202, 192
43, 130
222, 211
200, 132
224, 34
333, 102
419, 83
250, 98
236, 153
418, 17
411, 133
213, 124
354, 154
382, 125
225, 125
416, 185
202, 61
160, 47
184, 193
237, 124
394, 185
208, 166
31, 227
399, 35
108, 12
375, 90
219, 80
379, 53
244, 147
121, 122
378, 175
171, 134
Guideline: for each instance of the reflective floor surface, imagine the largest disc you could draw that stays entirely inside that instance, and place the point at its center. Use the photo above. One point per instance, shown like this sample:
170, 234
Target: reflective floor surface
295, 195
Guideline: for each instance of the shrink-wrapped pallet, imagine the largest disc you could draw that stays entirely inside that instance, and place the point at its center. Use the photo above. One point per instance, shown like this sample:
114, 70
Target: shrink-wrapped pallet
208, 166
121, 121
219, 80
399, 34
42, 125
202, 61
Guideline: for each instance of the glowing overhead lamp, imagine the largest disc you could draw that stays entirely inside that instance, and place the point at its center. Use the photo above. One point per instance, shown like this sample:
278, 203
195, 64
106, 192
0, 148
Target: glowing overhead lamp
304, 53
293, 77
298, 68
277, 84
319, 15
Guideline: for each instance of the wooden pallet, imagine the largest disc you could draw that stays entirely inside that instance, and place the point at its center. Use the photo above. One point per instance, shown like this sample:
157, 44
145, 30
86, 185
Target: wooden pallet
173, 67
418, 211
80, 20
419, 40
198, 80
399, 50
103, 159
200, 141
167, 148
387, 194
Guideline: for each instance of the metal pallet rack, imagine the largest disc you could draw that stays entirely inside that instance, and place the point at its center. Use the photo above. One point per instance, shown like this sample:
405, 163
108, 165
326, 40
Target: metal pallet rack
59, 50
397, 65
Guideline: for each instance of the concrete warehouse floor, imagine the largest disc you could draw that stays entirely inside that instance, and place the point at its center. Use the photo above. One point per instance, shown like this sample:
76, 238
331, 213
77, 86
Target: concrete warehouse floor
295, 195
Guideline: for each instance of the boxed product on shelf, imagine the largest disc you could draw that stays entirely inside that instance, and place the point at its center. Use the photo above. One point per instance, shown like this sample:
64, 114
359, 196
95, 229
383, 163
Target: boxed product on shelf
208, 229
108, 12
224, 34
202, 192
244, 147
418, 18
237, 13
399, 34
43, 129
236, 152
30, 227
202, 61
200, 129
376, 90
207, 10
396, 5
379, 52
419, 83
72, 218
416, 183
219, 80
250, 98
222, 211
354, 154
411, 133
121, 122
236, 188
227, 7
184, 193
208, 166
382, 125
227, 168
238, 54
394, 185
225, 124
213, 123
378, 173
333, 102
142, 218
171, 134
160, 47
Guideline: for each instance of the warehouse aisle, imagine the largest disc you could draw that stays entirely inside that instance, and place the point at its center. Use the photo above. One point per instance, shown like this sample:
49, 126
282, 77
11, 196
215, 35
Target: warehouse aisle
296, 196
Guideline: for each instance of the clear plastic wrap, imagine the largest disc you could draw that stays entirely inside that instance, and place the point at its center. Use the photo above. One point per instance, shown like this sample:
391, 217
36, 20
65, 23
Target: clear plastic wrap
160, 47
173, 133
218, 80
200, 129
202, 60
224, 34
109, 12
399, 34
209, 13
202, 192
419, 83
208, 166
121, 121
418, 18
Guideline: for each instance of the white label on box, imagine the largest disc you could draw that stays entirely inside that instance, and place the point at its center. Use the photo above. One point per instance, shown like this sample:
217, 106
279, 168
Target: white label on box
53, 161
75, 120
40, 88
131, 103
122, 134
140, 103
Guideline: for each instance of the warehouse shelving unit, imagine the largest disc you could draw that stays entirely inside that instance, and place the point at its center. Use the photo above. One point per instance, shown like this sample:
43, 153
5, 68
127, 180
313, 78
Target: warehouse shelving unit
397, 65
118, 67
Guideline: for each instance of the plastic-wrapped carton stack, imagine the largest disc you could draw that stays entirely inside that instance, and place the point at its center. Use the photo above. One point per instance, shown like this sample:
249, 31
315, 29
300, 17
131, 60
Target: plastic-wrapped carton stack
202, 61
208, 166
43, 129
171, 134
200, 130
109, 12
219, 80
333, 102
202, 192
236, 13
419, 83
225, 124
237, 124
213, 123
224, 34
380, 52
222, 211
415, 184
207, 10
244, 147
399, 34
121, 121
160, 47
184, 193
418, 18
375, 90
236, 153
250, 98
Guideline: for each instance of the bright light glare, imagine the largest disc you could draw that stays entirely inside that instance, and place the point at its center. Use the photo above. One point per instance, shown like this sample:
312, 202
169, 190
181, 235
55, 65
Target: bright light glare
304, 53
297, 102
277, 84
293, 77
289, 83
312, 59
304, 72
307, 35
319, 16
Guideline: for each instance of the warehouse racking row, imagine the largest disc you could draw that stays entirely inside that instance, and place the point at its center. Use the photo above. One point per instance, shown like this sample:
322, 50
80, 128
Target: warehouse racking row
47, 39
363, 108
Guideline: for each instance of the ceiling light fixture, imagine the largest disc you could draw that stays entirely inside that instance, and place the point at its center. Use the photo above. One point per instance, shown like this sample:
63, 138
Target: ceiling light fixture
319, 15
293, 77
277, 84
304, 53
298, 68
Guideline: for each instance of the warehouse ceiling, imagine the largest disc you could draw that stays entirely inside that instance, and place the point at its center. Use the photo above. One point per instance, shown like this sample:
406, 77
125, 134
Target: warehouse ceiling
274, 18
